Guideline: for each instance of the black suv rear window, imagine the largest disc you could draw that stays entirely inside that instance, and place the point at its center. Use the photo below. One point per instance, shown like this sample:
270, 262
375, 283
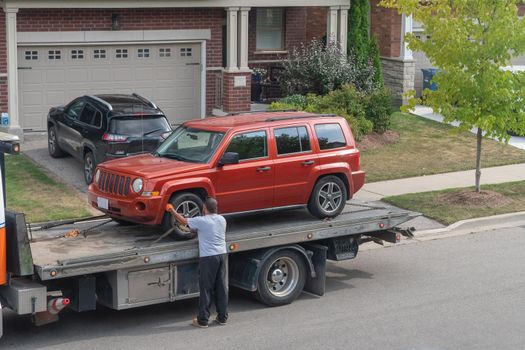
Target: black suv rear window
330, 136
139, 126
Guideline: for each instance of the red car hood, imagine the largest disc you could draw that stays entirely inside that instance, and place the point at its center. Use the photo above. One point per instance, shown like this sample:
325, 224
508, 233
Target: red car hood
149, 166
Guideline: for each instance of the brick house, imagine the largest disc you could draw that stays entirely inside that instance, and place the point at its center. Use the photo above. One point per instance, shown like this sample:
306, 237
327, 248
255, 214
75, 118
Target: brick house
187, 56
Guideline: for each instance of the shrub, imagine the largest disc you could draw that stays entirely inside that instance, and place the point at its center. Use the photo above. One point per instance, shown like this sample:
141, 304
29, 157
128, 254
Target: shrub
378, 108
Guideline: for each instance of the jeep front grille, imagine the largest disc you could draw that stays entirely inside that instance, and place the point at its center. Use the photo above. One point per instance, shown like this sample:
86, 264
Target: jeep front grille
113, 183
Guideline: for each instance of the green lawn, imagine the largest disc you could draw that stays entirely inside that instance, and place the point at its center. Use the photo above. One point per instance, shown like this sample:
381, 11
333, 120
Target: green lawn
426, 147
431, 204
32, 191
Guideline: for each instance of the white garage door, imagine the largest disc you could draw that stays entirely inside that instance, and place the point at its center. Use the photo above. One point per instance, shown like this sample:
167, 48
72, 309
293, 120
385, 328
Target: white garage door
168, 74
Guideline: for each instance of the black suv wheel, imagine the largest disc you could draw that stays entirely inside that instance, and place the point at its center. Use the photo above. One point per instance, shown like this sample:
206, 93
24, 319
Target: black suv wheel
89, 167
52, 144
328, 198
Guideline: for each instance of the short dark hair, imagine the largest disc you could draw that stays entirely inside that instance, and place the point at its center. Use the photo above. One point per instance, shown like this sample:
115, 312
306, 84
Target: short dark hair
211, 205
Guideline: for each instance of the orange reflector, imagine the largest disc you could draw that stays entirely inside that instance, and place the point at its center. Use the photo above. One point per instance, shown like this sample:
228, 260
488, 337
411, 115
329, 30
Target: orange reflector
381, 225
53, 273
398, 237
234, 246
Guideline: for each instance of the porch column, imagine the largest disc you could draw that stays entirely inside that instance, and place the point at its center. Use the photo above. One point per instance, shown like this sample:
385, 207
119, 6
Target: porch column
243, 38
406, 27
343, 28
331, 24
231, 38
12, 72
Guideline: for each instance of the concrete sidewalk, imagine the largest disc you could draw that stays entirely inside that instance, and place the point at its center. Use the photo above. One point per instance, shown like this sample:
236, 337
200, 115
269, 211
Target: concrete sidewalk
377, 190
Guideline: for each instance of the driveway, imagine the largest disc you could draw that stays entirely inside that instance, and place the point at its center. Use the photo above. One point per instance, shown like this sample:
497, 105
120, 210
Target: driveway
68, 169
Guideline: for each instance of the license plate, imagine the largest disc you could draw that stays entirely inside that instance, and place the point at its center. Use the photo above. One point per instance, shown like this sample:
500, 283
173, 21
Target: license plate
102, 203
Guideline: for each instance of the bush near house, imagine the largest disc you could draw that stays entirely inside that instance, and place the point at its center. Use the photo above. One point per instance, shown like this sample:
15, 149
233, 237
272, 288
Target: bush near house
363, 111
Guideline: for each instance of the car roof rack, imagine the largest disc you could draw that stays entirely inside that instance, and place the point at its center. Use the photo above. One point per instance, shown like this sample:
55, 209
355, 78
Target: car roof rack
252, 112
275, 119
98, 99
144, 99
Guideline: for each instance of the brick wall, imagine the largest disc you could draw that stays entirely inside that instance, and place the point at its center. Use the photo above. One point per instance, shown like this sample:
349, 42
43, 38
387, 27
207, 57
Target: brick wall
386, 26
236, 99
316, 17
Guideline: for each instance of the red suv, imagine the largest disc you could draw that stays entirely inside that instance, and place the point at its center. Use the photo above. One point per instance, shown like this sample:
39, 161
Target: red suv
248, 162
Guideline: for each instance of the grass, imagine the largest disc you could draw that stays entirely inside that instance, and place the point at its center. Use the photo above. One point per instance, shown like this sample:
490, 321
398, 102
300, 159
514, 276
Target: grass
32, 191
427, 147
428, 203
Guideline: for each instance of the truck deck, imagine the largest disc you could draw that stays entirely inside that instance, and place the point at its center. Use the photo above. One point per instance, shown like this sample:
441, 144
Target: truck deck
98, 246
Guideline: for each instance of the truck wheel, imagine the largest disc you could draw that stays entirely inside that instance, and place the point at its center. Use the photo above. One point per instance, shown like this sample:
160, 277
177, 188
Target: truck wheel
52, 144
89, 167
281, 278
328, 198
189, 205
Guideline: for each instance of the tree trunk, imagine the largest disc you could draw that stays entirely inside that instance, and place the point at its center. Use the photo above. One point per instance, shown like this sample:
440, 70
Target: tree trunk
478, 160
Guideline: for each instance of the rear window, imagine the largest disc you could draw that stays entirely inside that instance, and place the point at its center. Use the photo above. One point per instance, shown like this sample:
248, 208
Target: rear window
139, 126
330, 136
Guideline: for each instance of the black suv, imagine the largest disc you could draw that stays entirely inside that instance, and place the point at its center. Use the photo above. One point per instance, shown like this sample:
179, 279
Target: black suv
102, 127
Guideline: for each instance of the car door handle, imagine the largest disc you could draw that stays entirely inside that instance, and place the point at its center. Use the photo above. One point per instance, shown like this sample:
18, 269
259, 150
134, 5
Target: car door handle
263, 168
308, 162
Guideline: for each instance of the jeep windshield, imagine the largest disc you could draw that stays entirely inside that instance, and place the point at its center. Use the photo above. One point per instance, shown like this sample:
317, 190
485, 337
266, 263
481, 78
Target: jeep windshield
190, 145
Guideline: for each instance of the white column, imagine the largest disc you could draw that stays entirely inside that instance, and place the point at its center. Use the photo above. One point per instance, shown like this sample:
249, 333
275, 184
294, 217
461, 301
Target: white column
331, 24
243, 38
343, 28
406, 27
12, 71
231, 38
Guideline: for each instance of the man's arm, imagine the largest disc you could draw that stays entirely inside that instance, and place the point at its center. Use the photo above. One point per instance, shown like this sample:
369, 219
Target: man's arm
181, 219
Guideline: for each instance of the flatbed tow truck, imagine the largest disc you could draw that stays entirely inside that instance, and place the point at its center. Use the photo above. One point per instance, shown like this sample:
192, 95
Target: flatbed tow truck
275, 255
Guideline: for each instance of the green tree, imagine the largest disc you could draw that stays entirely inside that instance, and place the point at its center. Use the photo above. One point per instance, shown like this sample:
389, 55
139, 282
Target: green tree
470, 41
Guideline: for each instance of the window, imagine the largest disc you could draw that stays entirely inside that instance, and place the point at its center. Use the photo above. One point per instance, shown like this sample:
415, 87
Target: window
330, 136
121, 53
77, 54
99, 53
74, 109
31, 55
186, 52
91, 116
249, 145
292, 140
270, 24
54, 55
165, 52
143, 53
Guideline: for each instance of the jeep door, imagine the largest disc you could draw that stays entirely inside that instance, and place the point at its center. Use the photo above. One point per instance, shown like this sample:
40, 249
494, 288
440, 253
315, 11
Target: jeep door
247, 185
295, 165
68, 134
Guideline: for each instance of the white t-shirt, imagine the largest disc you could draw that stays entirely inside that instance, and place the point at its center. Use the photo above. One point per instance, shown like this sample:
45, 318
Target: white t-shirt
211, 230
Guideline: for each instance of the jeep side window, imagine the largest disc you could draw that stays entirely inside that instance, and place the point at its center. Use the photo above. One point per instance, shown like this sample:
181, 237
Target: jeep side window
74, 109
292, 140
249, 145
330, 136
91, 116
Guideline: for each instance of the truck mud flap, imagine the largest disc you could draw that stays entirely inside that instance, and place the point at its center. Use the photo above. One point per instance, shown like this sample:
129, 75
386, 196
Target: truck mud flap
317, 285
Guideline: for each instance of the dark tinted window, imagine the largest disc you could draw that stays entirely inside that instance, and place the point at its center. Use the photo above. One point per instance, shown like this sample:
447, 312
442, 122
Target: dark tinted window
330, 136
75, 109
139, 126
292, 140
90, 115
249, 145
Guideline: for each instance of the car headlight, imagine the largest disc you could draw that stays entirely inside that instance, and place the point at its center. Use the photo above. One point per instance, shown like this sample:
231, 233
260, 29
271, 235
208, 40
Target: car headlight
97, 175
137, 185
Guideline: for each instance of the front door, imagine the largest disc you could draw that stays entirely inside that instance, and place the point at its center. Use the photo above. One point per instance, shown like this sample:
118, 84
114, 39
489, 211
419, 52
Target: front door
249, 184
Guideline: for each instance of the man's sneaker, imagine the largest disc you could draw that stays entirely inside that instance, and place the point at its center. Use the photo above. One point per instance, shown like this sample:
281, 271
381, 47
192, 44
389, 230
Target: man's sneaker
218, 321
195, 323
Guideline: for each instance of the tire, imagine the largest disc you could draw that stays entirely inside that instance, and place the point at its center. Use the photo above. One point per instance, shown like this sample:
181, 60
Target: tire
123, 222
89, 167
281, 278
188, 204
328, 198
52, 144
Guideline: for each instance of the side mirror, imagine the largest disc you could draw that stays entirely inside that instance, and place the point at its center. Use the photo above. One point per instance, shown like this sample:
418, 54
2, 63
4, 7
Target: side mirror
229, 158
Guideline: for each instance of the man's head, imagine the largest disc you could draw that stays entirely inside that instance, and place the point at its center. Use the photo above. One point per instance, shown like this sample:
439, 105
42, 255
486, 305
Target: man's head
210, 206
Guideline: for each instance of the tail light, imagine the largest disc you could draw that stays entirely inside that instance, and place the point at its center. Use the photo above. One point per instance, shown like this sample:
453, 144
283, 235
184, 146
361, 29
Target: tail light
114, 137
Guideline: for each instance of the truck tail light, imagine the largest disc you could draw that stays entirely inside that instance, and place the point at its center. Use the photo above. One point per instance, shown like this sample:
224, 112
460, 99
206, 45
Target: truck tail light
114, 137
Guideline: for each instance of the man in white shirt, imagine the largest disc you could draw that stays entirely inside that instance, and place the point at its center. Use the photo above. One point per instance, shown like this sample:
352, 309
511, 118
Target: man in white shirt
213, 261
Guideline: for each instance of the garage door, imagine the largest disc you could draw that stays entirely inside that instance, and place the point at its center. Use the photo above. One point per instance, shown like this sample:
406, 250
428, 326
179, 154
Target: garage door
50, 76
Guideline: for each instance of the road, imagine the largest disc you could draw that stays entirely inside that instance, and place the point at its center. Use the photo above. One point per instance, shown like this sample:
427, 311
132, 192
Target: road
464, 292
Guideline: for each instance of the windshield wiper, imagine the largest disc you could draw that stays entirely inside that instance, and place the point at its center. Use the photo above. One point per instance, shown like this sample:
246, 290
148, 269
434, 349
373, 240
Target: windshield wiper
152, 131
175, 156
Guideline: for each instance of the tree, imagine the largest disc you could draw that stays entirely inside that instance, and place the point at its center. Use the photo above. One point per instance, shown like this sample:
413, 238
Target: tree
471, 41
362, 49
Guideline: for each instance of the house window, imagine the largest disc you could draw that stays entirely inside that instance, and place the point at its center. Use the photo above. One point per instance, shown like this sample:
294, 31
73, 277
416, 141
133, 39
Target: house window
99, 53
31, 55
143, 53
270, 28
54, 55
165, 52
77, 54
121, 53
186, 52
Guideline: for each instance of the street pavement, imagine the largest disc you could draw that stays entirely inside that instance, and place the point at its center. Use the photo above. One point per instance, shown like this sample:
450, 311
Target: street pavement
460, 292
